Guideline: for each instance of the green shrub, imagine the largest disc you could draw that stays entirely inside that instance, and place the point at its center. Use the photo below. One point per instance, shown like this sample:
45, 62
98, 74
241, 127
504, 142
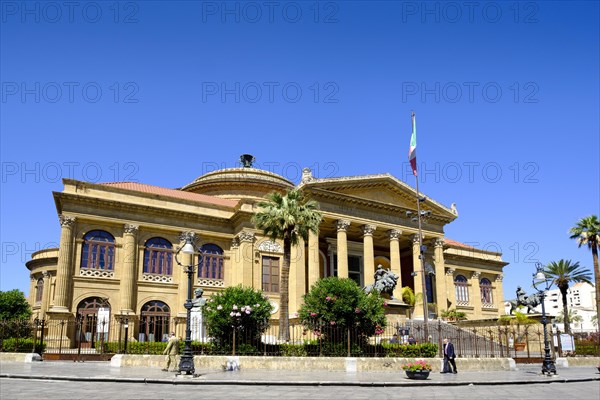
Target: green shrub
293, 350
146, 347
587, 348
245, 310
426, 350
16, 328
22, 345
338, 304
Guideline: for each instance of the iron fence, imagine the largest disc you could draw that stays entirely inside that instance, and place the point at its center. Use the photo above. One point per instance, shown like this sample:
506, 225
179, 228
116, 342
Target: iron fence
81, 336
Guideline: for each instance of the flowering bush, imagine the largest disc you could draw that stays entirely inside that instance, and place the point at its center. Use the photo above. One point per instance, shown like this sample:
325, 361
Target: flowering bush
332, 305
417, 366
236, 308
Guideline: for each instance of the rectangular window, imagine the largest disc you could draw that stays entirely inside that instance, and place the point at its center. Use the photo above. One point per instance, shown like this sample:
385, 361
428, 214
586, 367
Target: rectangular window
158, 261
211, 266
354, 267
98, 255
270, 274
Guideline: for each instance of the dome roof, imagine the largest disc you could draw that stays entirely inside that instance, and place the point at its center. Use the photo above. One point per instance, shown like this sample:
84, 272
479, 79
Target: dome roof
236, 183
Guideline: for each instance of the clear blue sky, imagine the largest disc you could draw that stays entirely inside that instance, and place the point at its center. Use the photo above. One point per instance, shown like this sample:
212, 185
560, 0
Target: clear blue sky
506, 96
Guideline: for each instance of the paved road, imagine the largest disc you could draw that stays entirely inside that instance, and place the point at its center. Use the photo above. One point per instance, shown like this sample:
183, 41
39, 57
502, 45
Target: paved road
51, 389
94, 380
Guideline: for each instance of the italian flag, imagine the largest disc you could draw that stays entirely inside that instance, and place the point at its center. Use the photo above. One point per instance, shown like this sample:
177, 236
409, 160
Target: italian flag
412, 152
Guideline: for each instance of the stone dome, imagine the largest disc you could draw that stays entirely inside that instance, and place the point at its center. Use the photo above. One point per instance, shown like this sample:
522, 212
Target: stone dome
237, 183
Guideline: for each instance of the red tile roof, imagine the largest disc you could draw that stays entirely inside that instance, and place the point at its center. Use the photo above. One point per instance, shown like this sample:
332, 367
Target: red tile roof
458, 244
173, 193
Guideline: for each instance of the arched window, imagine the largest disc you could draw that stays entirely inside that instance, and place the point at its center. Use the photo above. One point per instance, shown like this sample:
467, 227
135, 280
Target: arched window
486, 293
211, 265
462, 290
39, 290
154, 321
158, 257
93, 316
98, 251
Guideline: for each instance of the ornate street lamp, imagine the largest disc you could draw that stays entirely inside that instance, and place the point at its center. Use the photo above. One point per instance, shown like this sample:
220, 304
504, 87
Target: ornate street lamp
542, 283
187, 359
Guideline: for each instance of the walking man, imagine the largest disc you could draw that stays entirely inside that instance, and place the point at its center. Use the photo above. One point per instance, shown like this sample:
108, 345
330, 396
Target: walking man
171, 352
449, 356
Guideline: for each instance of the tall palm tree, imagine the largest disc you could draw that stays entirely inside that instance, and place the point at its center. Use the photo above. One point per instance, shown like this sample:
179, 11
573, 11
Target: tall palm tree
287, 217
563, 273
587, 232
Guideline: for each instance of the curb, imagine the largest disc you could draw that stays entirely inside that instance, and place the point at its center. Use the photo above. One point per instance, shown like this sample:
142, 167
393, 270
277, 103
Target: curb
193, 381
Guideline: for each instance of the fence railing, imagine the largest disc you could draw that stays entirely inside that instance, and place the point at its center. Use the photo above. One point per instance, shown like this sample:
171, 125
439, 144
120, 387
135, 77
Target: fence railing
92, 336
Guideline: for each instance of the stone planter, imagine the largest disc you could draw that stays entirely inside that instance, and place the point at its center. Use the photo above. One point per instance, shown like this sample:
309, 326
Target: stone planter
417, 374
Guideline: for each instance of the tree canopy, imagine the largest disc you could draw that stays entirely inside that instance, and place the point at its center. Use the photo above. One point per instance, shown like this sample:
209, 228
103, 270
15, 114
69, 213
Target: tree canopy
339, 303
14, 305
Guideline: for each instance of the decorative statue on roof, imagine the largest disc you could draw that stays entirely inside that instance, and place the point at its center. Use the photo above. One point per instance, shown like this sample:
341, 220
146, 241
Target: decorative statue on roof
247, 160
385, 282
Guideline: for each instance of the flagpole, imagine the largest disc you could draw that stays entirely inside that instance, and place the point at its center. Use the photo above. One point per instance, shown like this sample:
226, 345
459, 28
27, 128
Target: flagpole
421, 255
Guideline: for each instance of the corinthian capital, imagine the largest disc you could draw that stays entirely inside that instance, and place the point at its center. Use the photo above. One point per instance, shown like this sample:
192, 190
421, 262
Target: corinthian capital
342, 224
368, 229
394, 234
246, 237
131, 229
65, 221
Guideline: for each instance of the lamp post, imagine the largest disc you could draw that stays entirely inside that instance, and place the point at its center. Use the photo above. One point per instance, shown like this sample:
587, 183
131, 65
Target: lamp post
126, 334
187, 358
544, 282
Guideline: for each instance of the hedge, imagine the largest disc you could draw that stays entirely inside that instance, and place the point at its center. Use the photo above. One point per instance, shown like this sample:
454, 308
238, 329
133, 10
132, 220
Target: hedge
22, 345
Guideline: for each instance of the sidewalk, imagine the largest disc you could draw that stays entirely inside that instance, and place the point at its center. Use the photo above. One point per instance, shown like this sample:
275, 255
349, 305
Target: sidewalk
103, 372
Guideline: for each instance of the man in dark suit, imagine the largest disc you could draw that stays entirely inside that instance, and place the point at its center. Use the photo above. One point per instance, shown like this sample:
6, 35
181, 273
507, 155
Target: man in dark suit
449, 356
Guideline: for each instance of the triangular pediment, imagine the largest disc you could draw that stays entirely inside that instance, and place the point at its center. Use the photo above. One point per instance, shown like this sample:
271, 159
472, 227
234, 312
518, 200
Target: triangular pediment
382, 189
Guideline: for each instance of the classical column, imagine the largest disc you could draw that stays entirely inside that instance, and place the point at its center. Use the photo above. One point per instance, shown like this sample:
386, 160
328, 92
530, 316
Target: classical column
297, 277
440, 279
498, 294
45, 294
476, 294
342, 247
128, 270
64, 270
32, 292
231, 274
451, 288
314, 272
368, 254
395, 266
247, 253
418, 274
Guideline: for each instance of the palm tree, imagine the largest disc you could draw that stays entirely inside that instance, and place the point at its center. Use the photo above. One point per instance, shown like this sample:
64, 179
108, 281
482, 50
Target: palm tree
573, 317
563, 273
287, 217
587, 232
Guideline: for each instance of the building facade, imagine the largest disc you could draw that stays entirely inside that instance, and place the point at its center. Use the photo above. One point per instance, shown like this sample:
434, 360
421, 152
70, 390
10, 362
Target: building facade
581, 301
119, 240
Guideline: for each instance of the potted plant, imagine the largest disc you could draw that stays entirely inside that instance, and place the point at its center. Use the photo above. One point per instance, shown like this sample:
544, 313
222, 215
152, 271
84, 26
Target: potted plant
417, 370
453, 315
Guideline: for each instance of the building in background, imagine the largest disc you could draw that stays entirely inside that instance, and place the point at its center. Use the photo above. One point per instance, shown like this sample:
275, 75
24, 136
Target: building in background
581, 300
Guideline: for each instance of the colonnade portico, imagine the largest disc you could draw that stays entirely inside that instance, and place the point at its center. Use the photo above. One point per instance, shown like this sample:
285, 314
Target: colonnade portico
359, 239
